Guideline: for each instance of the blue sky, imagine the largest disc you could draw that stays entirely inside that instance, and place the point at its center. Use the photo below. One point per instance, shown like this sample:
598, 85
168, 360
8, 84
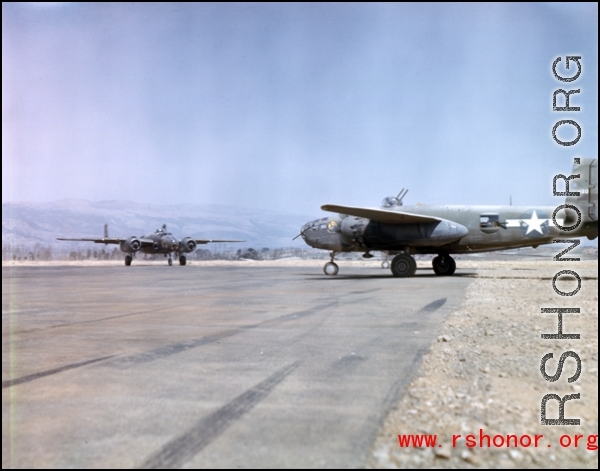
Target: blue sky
291, 106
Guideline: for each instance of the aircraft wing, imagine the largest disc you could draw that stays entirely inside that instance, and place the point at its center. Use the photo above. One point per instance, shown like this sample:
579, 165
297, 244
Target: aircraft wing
206, 241
104, 240
380, 215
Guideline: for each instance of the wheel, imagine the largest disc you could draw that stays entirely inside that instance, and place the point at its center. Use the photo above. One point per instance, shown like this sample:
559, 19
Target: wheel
385, 264
128, 259
182, 260
170, 262
444, 265
403, 266
331, 269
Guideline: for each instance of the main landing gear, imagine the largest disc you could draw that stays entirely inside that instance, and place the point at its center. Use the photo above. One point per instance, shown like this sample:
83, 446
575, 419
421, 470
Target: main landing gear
403, 266
331, 268
444, 265
128, 259
182, 260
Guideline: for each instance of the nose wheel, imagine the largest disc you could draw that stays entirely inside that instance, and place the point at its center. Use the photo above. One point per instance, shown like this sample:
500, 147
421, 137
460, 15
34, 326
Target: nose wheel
331, 268
444, 265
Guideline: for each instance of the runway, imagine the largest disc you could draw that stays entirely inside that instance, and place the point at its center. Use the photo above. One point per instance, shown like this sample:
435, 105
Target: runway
209, 367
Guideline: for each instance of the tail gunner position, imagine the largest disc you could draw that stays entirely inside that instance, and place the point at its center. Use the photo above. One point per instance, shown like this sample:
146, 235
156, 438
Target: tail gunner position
404, 231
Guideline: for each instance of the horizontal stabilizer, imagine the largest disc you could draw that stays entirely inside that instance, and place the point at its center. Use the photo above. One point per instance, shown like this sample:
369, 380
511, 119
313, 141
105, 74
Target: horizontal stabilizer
380, 215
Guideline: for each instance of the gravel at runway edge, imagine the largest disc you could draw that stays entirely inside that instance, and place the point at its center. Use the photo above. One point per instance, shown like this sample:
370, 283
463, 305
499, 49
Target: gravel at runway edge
484, 373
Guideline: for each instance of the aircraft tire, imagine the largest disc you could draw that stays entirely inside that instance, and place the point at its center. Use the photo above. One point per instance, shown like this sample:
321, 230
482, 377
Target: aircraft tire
170, 262
331, 269
444, 265
182, 260
403, 266
128, 259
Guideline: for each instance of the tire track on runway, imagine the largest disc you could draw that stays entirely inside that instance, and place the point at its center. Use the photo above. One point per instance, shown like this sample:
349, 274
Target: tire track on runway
176, 452
68, 324
363, 357
348, 363
433, 306
168, 350
25, 379
365, 291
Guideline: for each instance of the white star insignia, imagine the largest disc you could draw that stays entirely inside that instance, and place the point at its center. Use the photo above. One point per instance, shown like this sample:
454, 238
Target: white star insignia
534, 224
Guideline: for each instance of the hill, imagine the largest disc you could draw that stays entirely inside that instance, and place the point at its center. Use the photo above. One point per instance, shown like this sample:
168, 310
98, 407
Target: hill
29, 224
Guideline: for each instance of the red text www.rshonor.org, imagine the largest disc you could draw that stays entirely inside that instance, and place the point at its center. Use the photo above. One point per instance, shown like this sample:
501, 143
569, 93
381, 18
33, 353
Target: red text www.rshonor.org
483, 440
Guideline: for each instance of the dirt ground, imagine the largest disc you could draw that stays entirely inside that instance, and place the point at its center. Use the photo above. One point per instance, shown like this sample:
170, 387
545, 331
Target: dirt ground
484, 374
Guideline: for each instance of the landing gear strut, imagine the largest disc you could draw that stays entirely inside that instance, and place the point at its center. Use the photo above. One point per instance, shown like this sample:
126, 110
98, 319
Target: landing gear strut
128, 259
182, 260
331, 268
444, 265
403, 266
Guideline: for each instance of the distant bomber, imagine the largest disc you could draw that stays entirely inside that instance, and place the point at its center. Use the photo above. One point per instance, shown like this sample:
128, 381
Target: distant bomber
404, 231
161, 242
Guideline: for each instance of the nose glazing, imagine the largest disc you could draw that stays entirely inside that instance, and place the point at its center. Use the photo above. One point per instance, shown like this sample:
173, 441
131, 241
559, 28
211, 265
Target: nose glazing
308, 231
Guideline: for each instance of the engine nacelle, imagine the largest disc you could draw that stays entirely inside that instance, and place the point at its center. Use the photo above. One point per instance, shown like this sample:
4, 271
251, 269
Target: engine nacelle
187, 245
430, 234
353, 228
130, 245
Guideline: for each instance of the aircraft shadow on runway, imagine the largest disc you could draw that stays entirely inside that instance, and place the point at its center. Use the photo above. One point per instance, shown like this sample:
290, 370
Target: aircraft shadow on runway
386, 274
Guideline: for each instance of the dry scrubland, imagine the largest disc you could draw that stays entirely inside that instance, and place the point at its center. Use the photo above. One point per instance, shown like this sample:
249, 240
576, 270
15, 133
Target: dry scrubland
484, 370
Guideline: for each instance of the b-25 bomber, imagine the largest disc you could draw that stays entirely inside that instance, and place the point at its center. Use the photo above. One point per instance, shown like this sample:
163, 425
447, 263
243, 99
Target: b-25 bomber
160, 242
404, 231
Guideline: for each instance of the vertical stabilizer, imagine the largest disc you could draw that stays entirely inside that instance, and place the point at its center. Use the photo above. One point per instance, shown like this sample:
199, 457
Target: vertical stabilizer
587, 186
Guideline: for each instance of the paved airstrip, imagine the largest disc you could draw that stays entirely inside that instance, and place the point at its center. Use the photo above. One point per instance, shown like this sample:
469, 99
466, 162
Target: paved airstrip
157, 366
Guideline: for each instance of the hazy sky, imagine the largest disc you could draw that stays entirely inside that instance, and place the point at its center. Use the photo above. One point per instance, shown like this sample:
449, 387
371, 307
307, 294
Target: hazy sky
291, 106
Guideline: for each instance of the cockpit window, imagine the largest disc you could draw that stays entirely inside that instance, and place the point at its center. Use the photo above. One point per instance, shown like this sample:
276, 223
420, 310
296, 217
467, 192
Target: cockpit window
310, 226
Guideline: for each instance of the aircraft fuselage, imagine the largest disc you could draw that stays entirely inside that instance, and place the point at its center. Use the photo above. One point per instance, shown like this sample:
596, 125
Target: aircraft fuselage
161, 244
461, 229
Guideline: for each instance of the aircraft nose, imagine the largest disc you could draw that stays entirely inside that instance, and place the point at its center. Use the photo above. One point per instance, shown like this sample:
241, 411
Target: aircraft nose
307, 234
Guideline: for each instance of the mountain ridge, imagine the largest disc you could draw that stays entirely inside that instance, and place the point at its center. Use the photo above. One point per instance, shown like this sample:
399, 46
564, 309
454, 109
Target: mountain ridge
28, 223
